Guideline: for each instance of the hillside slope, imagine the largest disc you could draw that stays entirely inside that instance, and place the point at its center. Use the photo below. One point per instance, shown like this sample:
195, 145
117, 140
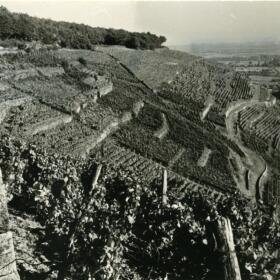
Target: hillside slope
129, 114
63, 112
168, 63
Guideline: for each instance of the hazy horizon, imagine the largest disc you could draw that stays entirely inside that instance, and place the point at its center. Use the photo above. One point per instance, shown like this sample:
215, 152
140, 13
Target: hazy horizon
182, 23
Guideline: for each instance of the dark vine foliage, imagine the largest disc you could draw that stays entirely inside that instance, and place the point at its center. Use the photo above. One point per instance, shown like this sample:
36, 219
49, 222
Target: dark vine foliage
71, 35
119, 229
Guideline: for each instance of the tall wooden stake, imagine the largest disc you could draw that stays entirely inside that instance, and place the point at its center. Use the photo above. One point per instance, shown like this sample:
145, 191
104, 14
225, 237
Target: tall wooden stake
164, 187
231, 266
96, 176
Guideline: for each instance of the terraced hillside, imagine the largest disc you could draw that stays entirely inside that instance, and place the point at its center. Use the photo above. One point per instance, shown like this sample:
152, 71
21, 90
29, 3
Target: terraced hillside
263, 122
132, 164
194, 102
140, 135
211, 87
205, 129
66, 115
71, 101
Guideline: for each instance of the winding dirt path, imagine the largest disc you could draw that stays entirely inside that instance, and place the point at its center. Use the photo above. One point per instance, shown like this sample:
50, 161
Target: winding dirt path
253, 163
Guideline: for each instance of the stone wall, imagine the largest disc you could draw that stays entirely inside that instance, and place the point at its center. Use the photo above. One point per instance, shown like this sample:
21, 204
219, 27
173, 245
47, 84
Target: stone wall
164, 129
105, 89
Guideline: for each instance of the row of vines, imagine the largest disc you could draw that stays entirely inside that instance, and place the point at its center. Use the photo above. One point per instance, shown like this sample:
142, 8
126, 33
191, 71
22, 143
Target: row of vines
118, 227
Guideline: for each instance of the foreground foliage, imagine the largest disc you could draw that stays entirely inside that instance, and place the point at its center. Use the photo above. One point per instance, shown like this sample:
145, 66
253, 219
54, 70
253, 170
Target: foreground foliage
119, 229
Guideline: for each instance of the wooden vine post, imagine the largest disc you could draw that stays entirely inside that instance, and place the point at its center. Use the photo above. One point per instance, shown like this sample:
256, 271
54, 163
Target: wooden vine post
164, 196
164, 187
223, 236
96, 176
226, 246
8, 268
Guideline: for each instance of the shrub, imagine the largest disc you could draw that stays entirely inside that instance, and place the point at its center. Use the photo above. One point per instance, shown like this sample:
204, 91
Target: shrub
82, 61
65, 65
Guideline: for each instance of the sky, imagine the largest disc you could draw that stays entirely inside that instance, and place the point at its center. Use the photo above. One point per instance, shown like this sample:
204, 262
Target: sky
180, 22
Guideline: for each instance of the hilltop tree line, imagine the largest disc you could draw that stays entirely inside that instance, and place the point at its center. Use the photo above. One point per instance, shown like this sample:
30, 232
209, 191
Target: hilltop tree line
71, 35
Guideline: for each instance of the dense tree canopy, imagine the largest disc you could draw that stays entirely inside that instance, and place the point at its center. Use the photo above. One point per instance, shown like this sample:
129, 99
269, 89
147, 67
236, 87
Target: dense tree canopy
70, 35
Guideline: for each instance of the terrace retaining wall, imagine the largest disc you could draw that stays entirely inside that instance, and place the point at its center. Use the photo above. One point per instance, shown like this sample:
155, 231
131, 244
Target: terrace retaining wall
164, 129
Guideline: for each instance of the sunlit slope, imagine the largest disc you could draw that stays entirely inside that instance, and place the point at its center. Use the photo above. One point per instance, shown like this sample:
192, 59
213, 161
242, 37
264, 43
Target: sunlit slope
153, 67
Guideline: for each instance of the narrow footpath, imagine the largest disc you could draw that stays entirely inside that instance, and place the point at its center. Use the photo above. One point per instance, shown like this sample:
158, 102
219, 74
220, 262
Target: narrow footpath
254, 164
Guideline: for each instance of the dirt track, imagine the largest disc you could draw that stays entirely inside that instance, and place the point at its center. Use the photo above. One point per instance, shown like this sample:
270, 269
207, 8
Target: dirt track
253, 163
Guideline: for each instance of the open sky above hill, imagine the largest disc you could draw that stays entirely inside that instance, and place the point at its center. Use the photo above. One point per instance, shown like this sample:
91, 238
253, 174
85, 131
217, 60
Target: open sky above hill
180, 22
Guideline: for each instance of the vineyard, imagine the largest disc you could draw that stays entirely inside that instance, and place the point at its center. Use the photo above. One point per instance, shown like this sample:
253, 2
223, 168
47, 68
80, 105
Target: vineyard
139, 135
238, 89
96, 115
188, 109
142, 140
194, 82
68, 97
263, 124
212, 175
272, 193
247, 117
57, 130
75, 137
130, 215
10, 98
116, 156
267, 126
256, 144
60, 96
168, 63
122, 97
8, 95
26, 119
201, 81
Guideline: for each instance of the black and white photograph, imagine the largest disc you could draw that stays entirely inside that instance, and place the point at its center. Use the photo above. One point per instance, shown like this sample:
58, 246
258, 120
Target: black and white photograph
139, 140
